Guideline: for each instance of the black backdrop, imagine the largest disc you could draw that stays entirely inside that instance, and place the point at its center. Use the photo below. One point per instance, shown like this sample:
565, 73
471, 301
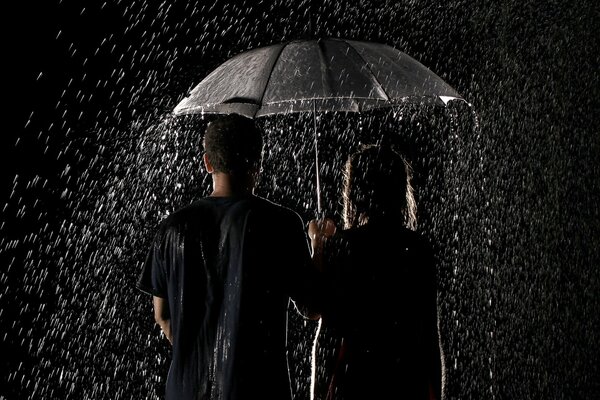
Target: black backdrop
528, 68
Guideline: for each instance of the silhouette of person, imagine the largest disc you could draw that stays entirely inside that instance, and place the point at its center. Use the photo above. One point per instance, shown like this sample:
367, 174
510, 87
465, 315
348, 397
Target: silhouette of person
222, 272
380, 299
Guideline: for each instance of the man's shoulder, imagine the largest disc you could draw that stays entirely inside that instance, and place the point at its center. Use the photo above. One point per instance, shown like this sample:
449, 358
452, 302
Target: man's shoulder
186, 213
276, 208
284, 217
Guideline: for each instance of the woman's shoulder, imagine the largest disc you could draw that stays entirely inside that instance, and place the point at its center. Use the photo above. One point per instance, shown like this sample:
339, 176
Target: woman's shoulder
385, 235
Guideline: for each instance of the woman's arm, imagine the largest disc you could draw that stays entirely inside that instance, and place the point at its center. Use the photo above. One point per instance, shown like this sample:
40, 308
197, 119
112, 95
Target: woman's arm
162, 316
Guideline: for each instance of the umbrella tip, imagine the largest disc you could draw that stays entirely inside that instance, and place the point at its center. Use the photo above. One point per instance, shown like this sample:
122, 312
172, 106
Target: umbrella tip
447, 99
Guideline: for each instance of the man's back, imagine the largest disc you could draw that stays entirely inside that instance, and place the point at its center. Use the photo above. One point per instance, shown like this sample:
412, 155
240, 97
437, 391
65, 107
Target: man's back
228, 267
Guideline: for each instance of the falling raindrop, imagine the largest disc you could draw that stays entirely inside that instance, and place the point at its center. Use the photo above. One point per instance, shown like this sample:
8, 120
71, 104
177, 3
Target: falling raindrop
507, 185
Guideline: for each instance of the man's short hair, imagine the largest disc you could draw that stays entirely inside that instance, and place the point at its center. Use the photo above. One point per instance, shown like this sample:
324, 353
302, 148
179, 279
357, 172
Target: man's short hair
233, 144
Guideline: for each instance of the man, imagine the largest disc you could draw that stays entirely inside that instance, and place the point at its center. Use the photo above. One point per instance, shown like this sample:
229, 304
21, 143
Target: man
222, 272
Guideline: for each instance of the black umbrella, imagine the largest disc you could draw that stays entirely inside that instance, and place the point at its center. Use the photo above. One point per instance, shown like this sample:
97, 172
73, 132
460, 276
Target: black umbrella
315, 75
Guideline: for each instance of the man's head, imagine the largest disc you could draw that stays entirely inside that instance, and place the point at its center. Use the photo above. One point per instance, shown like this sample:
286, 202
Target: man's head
233, 145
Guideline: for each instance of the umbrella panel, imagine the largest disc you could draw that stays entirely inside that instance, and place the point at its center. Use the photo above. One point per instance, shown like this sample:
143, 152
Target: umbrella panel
327, 69
323, 75
399, 74
237, 85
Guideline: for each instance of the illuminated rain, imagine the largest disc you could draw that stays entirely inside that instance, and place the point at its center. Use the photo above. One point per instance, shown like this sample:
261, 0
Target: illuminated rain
508, 187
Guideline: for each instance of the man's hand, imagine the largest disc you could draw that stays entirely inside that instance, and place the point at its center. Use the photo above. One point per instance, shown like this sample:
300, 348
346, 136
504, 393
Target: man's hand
321, 228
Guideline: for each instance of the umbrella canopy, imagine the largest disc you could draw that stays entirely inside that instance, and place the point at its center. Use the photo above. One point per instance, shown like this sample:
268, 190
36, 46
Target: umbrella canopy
315, 75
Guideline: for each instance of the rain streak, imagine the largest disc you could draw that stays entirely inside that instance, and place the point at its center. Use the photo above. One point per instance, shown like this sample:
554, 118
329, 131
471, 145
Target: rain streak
506, 184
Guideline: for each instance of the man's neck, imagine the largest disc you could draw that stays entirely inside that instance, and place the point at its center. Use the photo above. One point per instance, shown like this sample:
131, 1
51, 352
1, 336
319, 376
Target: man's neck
225, 185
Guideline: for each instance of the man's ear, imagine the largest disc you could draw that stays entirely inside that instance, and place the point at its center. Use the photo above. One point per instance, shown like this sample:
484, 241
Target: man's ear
207, 164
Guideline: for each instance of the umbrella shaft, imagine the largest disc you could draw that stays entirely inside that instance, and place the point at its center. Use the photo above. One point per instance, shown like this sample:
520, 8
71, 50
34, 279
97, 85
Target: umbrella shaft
318, 180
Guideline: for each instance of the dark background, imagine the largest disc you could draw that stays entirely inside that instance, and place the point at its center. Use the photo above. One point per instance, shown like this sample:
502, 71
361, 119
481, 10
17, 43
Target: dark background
520, 317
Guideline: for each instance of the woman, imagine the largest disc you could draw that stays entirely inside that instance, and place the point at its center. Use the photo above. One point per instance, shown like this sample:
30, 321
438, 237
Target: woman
381, 293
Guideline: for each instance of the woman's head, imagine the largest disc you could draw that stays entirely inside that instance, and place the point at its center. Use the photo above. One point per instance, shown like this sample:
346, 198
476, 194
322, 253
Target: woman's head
377, 184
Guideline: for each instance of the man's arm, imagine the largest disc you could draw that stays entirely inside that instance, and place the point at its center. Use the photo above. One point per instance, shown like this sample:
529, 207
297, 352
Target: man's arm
318, 231
304, 278
162, 316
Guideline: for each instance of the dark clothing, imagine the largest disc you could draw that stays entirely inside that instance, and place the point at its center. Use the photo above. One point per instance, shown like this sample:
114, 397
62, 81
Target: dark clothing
228, 267
382, 302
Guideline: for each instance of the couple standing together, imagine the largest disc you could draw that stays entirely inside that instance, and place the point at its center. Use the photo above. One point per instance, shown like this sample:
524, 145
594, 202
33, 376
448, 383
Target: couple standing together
223, 270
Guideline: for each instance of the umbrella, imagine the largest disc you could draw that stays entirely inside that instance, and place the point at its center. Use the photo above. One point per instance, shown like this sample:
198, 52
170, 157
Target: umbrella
315, 75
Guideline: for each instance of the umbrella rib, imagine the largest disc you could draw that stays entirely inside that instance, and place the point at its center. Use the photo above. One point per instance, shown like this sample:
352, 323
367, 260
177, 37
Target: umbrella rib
372, 75
271, 73
325, 78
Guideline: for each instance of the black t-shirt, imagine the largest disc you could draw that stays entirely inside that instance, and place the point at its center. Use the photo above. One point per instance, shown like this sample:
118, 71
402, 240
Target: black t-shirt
381, 299
228, 268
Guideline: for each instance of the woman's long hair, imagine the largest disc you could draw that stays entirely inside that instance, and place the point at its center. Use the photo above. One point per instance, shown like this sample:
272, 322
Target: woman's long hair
377, 185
